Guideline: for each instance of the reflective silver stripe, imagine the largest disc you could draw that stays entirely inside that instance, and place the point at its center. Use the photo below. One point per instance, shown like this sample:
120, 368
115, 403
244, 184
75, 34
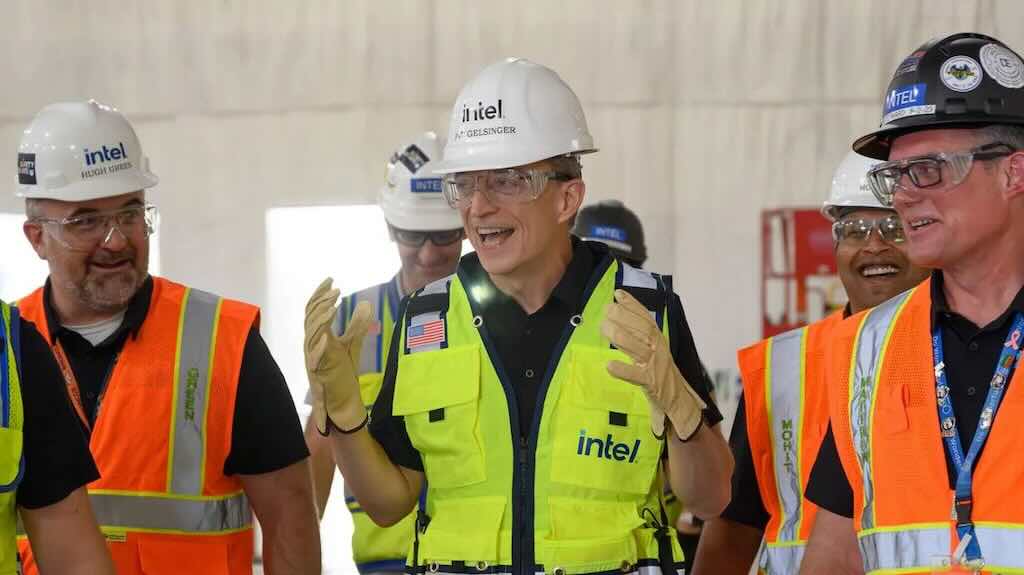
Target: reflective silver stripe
155, 513
633, 277
438, 286
868, 358
784, 381
370, 352
907, 548
781, 559
1002, 547
194, 361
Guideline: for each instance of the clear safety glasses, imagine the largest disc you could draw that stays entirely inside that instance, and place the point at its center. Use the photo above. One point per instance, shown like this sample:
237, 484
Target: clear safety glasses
83, 232
415, 239
934, 172
510, 186
858, 231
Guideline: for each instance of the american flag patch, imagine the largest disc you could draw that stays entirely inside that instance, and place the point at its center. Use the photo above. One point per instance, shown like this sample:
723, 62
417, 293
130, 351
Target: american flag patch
426, 333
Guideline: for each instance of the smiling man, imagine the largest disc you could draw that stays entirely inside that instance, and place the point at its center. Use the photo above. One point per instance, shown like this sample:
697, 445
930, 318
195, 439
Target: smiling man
925, 398
529, 391
783, 414
188, 416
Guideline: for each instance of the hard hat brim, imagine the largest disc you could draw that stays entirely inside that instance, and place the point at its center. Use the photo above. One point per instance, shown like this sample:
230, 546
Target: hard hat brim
876, 145
83, 191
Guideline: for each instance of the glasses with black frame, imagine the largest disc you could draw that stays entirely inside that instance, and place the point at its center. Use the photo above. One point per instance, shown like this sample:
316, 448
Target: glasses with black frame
416, 238
932, 172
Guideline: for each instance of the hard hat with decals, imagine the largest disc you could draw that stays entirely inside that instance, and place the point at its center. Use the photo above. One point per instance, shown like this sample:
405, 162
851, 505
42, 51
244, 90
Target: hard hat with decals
77, 151
964, 80
514, 113
412, 197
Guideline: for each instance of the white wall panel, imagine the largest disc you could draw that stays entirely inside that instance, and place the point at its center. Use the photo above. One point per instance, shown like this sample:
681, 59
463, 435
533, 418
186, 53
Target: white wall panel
705, 112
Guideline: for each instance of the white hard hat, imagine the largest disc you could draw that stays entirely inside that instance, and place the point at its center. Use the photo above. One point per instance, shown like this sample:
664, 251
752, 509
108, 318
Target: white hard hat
514, 113
850, 188
77, 151
412, 198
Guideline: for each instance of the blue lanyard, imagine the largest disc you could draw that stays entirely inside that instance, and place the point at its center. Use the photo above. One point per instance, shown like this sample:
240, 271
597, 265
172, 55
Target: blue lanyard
964, 465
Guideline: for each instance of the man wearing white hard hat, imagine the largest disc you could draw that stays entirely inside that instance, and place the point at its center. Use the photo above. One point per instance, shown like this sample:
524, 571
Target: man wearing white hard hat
188, 417
535, 391
428, 235
783, 415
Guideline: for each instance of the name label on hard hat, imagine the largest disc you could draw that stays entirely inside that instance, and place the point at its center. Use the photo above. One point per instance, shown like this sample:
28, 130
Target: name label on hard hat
425, 185
607, 448
481, 112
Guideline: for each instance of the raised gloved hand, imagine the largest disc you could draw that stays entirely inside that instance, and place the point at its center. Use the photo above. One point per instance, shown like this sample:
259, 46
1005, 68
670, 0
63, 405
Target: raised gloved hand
332, 360
630, 327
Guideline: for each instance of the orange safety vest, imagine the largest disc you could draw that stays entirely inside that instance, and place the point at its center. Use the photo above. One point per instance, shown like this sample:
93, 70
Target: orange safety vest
787, 416
886, 426
162, 435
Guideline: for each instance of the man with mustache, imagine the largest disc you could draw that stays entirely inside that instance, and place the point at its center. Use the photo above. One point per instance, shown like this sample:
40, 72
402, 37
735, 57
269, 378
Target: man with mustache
926, 397
534, 392
188, 416
428, 235
783, 413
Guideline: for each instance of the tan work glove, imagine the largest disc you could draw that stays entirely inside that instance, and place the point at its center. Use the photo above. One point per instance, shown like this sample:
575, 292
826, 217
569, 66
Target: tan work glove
630, 327
332, 360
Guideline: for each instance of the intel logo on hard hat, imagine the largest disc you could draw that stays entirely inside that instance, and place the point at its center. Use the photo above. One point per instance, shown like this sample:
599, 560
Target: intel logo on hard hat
104, 154
481, 112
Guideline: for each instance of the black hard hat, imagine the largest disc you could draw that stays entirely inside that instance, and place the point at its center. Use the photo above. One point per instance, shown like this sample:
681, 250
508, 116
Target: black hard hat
614, 225
960, 81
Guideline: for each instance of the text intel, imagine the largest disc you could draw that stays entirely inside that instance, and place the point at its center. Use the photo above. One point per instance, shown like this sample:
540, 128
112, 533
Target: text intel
607, 448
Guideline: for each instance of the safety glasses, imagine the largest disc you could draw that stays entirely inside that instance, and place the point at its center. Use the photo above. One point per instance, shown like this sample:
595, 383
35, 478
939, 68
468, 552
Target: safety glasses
509, 186
858, 231
416, 239
933, 172
85, 231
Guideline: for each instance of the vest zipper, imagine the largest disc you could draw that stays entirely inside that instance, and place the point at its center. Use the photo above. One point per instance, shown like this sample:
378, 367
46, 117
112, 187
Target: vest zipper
525, 527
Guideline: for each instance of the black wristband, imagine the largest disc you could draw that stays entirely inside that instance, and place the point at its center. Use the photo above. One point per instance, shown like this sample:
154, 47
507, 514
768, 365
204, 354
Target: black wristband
332, 425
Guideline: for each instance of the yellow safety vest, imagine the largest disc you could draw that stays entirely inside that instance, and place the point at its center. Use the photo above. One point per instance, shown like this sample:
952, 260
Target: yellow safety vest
580, 493
12, 461
376, 549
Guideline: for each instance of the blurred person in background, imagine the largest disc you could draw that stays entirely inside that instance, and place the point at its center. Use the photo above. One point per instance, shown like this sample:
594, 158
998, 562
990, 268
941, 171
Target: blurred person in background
428, 236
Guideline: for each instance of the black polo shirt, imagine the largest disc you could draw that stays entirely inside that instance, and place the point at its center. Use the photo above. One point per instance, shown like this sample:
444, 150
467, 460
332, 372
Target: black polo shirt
525, 343
56, 454
970, 355
266, 434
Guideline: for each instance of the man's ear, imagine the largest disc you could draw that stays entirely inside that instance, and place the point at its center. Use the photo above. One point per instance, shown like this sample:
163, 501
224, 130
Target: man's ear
1015, 175
571, 199
34, 233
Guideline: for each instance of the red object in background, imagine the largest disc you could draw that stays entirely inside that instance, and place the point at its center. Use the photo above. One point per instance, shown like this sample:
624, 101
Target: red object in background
798, 271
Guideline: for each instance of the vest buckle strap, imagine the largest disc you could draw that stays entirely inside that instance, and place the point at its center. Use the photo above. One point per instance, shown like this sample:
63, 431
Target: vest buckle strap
962, 509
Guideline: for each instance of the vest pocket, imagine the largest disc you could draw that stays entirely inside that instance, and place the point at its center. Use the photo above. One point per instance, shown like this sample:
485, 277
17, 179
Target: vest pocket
465, 529
602, 428
10, 458
438, 394
590, 535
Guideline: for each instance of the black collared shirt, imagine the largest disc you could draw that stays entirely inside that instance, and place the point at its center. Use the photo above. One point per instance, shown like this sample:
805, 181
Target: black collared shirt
525, 343
970, 355
266, 435
57, 458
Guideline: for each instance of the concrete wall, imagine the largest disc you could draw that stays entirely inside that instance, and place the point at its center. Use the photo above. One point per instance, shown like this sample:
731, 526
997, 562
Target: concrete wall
705, 111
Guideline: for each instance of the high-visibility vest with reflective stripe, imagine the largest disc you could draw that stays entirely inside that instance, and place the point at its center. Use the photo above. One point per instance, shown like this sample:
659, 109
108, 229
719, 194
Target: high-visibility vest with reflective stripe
12, 461
886, 427
375, 549
163, 434
787, 416
586, 499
